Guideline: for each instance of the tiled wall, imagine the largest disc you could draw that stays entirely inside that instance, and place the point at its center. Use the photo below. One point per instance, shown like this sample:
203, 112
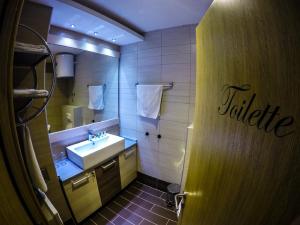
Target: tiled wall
165, 56
94, 68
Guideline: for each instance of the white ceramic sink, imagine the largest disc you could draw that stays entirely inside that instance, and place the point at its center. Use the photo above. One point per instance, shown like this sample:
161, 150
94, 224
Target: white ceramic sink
88, 153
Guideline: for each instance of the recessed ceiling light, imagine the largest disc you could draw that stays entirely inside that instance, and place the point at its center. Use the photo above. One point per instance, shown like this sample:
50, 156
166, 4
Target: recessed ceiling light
72, 25
95, 33
113, 40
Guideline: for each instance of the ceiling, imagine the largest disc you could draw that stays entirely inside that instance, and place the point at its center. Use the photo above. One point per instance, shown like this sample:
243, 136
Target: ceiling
73, 16
121, 22
149, 15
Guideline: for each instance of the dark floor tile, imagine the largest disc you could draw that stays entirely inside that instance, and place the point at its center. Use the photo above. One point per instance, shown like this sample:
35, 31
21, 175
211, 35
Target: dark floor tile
148, 215
123, 202
152, 182
147, 189
164, 196
134, 190
153, 199
164, 212
69, 222
120, 221
145, 222
171, 223
85, 222
135, 199
108, 214
100, 220
125, 213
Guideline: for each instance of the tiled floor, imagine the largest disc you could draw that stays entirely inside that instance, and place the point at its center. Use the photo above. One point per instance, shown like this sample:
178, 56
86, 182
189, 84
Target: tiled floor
138, 204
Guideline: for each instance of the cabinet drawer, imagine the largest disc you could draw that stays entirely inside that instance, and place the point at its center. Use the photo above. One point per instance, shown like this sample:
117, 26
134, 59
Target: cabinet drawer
83, 195
128, 166
108, 178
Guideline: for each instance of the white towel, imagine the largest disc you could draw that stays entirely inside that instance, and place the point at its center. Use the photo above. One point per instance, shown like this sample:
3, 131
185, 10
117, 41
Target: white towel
96, 97
148, 100
32, 163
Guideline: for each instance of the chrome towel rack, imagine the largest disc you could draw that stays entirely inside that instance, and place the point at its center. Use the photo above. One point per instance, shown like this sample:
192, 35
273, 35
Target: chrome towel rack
169, 85
96, 84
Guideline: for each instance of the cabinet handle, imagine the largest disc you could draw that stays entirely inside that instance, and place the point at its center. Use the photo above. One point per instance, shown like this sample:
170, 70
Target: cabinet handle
109, 165
81, 181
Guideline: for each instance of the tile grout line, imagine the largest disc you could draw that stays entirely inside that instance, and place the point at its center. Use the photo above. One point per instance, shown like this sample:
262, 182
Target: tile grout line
149, 211
93, 222
133, 203
105, 218
145, 192
136, 214
148, 192
119, 215
149, 186
151, 202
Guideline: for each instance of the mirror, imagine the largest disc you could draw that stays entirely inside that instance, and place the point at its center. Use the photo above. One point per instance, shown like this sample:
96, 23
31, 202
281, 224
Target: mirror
88, 95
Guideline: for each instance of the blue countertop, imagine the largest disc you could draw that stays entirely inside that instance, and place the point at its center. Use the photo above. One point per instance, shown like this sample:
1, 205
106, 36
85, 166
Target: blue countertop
66, 169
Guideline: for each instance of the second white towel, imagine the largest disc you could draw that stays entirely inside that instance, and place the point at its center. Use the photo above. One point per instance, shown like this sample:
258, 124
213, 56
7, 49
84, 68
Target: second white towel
96, 97
149, 100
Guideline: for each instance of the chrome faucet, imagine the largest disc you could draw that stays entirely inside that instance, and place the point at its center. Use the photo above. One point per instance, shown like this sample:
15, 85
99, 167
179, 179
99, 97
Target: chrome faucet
95, 135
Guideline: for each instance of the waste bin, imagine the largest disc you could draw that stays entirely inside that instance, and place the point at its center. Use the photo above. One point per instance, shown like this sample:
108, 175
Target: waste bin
172, 190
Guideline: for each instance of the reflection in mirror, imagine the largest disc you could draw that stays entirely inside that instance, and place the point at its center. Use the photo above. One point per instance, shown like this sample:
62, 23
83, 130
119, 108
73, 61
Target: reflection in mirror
88, 95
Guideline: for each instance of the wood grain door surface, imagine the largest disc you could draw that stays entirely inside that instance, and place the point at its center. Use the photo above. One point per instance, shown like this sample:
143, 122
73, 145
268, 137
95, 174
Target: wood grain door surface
245, 156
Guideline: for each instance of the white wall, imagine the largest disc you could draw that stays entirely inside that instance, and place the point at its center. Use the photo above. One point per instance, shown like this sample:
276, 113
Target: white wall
165, 56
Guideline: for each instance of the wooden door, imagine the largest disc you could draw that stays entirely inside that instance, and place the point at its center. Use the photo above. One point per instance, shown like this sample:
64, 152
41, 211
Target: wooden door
245, 158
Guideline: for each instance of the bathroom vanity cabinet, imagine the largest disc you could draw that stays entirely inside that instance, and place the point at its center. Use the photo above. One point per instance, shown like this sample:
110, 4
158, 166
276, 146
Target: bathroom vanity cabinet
95, 187
83, 195
108, 178
128, 166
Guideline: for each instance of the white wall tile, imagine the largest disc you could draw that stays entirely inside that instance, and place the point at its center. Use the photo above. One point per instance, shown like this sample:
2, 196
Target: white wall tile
128, 60
175, 111
127, 107
147, 142
147, 125
178, 99
173, 130
152, 40
128, 121
128, 77
179, 89
191, 113
176, 58
192, 93
149, 52
129, 48
128, 133
176, 36
176, 73
165, 56
149, 61
177, 49
149, 74
193, 33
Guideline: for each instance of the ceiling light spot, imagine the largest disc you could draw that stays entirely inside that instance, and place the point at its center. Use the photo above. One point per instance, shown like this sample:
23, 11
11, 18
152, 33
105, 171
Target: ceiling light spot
72, 25
95, 33
113, 40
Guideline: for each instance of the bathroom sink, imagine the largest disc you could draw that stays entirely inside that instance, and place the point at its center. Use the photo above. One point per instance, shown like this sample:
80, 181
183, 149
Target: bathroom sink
88, 153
